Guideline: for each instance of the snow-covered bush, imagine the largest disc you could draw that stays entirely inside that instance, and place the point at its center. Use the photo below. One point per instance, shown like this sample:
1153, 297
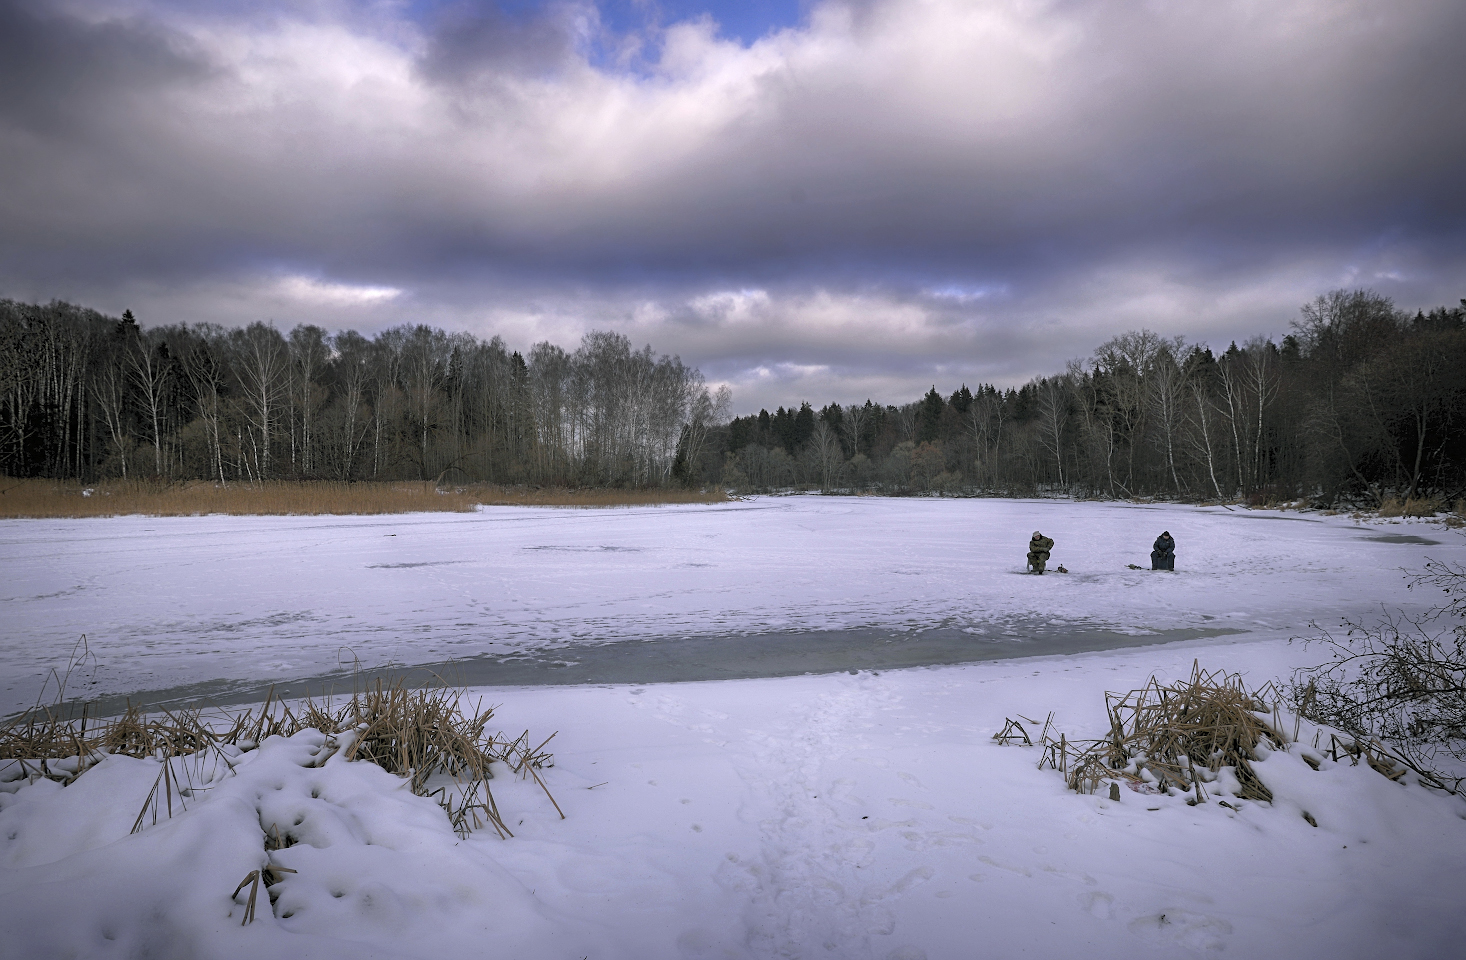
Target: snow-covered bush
1400, 681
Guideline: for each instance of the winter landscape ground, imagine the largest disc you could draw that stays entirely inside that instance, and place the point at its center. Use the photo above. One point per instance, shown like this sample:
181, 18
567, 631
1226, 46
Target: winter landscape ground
841, 797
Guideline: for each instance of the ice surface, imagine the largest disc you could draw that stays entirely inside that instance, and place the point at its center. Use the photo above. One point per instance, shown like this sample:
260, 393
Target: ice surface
171, 601
860, 816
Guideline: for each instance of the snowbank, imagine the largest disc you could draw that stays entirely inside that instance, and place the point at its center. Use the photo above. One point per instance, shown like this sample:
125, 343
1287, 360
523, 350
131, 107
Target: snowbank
850, 816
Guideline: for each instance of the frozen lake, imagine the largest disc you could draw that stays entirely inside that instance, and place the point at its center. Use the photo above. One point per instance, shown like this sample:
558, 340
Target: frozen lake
861, 811
221, 607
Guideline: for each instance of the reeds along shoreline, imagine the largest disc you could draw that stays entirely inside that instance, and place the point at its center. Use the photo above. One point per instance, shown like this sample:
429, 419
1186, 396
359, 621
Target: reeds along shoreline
597, 497
416, 734
38, 498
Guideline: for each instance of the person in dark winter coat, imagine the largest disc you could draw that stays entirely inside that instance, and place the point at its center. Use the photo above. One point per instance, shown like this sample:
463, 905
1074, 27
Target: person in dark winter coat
1163, 553
1038, 551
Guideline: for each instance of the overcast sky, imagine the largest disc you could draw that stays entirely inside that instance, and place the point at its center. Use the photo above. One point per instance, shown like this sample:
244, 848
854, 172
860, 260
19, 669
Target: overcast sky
808, 200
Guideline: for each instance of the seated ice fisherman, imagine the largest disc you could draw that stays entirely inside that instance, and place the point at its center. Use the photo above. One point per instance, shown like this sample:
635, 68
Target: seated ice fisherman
1163, 554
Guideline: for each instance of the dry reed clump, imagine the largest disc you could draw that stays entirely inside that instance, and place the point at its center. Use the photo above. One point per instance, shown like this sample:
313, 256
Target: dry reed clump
513, 496
1422, 506
1176, 735
1411, 507
429, 736
56, 498
1457, 516
34, 499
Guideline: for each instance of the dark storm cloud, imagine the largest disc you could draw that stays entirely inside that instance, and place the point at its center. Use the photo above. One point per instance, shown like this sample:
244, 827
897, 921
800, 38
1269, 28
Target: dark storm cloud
62, 76
468, 41
1198, 140
1141, 137
891, 193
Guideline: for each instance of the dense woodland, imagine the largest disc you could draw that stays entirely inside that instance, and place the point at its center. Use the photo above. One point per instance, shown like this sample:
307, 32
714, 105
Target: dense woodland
1361, 401
88, 396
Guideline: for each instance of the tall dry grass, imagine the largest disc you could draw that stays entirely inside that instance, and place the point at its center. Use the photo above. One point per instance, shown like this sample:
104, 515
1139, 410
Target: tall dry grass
1180, 734
606, 497
417, 734
54, 498
1411, 507
64, 499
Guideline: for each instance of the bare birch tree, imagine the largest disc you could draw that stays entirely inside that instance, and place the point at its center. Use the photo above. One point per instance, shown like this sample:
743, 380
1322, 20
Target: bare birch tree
261, 362
1166, 382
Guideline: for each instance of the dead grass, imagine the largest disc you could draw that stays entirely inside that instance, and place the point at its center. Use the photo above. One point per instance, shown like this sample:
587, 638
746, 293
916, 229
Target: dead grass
1411, 507
1170, 738
1423, 506
587, 497
432, 737
1169, 735
53, 498
67, 499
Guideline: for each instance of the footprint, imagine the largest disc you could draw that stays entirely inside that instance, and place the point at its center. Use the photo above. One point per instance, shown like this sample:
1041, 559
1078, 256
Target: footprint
907, 953
696, 943
1194, 930
1098, 905
1021, 871
913, 878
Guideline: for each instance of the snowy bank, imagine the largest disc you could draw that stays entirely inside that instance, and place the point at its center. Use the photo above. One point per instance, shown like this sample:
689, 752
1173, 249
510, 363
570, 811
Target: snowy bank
850, 816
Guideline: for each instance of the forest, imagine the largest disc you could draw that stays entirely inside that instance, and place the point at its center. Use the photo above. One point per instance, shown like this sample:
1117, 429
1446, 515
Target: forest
1361, 401
87, 396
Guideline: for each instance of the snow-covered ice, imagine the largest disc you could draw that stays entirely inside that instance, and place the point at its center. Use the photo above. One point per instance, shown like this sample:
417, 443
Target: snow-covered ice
864, 816
169, 601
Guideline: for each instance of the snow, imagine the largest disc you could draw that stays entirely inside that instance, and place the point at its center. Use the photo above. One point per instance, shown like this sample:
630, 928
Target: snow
865, 815
173, 601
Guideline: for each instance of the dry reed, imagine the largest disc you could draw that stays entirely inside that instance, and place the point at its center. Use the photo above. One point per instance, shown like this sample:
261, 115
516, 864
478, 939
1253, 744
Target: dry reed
1457, 516
1180, 734
1411, 507
66, 499
1423, 506
422, 735
592, 497
418, 734
55, 498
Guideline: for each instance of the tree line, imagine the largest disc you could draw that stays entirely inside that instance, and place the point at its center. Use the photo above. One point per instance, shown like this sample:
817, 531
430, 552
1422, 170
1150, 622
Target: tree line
1360, 401
85, 396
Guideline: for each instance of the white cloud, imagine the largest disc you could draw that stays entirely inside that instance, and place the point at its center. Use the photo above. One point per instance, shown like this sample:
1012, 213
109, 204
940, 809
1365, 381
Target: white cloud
730, 305
311, 291
965, 294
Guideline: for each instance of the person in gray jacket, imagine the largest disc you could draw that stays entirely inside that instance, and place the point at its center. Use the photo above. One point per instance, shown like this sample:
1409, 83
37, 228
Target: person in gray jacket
1163, 552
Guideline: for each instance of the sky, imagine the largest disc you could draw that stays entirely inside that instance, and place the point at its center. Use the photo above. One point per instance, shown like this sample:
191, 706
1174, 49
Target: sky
807, 200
